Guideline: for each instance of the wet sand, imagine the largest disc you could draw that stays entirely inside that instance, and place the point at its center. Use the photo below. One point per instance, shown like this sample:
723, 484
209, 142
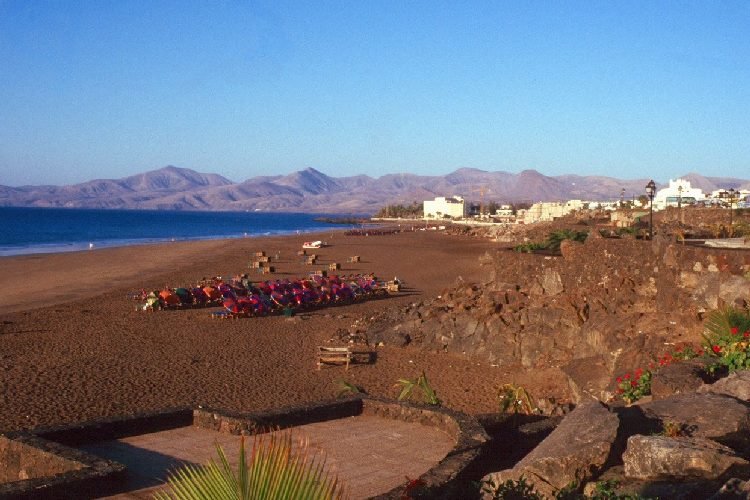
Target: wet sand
73, 347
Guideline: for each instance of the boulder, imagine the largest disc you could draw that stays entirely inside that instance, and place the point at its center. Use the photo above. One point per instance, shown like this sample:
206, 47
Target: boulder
587, 378
574, 452
736, 385
734, 489
676, 378
661, 458
713, 416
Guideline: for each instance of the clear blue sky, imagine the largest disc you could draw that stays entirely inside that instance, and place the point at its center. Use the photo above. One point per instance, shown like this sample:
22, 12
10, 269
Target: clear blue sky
106, 89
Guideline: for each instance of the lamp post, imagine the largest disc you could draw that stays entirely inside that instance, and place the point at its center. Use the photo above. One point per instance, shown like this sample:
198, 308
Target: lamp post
679, 203
732, 193
650, 192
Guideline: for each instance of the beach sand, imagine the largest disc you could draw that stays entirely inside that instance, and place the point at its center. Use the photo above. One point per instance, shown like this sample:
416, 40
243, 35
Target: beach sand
73, 347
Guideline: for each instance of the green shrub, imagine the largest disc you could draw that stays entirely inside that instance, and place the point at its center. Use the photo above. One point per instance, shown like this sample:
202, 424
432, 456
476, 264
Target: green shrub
726, 339
408, 385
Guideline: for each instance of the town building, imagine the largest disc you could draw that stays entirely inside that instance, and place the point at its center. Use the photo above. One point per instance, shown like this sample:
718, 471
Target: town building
679, 192
443, 207
547, 211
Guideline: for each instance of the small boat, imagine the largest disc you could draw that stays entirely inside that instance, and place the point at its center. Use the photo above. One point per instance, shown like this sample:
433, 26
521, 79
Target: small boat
312, 244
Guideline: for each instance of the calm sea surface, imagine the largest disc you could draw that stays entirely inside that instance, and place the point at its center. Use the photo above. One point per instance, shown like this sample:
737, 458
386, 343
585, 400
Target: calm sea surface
44, 230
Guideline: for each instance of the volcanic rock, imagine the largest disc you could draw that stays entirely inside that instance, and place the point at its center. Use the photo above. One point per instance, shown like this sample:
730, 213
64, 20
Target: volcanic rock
573, 452
661, 458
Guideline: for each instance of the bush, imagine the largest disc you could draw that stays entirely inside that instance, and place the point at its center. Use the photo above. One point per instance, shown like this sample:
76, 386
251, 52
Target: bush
726, 339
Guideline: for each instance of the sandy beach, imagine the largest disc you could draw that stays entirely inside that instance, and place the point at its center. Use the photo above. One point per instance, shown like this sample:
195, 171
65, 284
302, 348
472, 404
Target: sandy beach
74, 347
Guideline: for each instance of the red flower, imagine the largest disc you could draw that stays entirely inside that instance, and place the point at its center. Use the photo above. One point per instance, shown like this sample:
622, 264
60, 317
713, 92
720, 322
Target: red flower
619, 379
651, 365
638, 373
735, 330
620, 391
633, 383
746, 334
627, 376
716, 349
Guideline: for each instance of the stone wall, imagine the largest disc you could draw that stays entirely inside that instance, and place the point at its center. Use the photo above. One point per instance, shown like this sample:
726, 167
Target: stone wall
23, 461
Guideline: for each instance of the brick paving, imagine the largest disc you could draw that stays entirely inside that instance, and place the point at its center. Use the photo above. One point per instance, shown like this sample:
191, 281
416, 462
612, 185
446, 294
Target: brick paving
371, 455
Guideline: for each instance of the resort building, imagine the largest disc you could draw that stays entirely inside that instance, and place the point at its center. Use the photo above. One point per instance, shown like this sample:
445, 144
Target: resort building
547, 211
679, 192
443, 207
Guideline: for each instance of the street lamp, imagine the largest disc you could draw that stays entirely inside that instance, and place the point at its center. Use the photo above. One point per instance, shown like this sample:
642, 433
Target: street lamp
732, 193
650, 192
679, 202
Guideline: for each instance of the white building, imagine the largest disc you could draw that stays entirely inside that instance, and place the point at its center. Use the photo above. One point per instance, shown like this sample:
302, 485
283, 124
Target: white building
678, 191
453, 207
547, 211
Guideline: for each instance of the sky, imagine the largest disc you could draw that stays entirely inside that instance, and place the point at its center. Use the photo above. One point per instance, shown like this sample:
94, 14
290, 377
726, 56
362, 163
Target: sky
627, 89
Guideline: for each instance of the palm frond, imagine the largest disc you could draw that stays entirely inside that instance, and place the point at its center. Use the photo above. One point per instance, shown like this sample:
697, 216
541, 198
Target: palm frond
275, 471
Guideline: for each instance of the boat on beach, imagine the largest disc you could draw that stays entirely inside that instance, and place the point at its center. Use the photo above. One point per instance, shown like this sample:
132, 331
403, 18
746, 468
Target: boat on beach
313, 244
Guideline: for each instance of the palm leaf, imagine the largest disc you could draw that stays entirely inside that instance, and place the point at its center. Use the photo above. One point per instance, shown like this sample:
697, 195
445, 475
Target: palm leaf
275, 471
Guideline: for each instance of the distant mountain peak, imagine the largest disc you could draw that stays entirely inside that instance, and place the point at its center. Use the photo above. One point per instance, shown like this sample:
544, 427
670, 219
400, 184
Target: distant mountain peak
310, 190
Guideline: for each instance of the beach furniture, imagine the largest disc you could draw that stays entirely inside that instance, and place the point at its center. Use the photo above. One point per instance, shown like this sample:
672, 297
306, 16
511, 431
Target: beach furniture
260, 254
354, 258
334, 266
334, 355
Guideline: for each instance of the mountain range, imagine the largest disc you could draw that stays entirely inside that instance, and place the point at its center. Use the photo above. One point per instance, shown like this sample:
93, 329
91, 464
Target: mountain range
308, 190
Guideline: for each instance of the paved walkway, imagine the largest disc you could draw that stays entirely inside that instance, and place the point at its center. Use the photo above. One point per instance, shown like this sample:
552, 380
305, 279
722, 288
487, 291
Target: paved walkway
371, 455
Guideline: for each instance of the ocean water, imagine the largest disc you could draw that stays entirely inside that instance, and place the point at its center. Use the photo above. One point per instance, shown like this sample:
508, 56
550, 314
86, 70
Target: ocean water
45, 230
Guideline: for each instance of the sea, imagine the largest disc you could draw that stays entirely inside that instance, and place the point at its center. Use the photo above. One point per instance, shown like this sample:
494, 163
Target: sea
47, 230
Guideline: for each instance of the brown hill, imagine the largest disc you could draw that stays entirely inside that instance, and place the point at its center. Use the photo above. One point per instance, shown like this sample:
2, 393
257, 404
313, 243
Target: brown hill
310, 190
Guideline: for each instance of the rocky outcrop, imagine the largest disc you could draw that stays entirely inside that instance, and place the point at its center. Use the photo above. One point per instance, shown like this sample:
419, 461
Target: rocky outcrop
613, 303
661, 458
683, 446
574, 452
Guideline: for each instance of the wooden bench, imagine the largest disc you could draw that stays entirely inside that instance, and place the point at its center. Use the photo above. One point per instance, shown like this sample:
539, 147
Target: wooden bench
354, 258
334, 355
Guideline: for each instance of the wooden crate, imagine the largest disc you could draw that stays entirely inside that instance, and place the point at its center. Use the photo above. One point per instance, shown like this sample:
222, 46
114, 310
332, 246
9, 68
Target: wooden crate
334, 355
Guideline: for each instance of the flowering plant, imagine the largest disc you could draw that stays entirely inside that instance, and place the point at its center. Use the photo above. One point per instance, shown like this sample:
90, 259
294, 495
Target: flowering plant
726, 339
633, 387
